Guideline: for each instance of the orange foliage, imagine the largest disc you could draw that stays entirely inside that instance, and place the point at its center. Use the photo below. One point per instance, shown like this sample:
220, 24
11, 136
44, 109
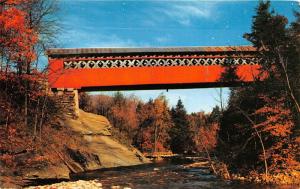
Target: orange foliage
154, 122
208, 137
278, 120
204, 131
147, 125
125, 115
276, 124
7, 159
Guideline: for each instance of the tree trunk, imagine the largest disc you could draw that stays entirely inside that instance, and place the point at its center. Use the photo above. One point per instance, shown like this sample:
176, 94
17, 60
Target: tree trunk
260, 140
26, 109
291, 92
208, 157
36, 119
264, 152
26, 104
221, 100
42, 116
155, 139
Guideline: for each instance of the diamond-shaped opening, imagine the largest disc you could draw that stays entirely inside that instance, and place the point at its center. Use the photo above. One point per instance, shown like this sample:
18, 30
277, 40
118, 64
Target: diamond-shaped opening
82, 64
100, 64
152, 62
194, 62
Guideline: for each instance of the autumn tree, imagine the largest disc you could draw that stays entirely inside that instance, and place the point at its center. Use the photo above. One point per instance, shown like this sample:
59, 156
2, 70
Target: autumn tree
123, 115
22, 27
204, 129
161, 124
154, 125
25, 109
17, 37
100, 104
257, 126
196, 122
278, 47
85, 101
144, 120
294, 72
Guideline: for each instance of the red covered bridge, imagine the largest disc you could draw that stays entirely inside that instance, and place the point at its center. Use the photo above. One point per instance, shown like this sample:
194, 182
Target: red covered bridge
73, 70
148, 68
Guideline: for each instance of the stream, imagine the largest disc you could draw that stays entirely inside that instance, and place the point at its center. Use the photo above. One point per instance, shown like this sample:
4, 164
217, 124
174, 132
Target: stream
166, 175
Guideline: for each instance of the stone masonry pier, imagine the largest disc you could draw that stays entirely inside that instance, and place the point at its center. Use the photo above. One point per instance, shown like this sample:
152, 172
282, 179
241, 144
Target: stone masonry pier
67, 100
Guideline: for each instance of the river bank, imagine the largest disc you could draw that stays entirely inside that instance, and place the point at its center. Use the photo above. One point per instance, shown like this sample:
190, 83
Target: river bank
68, 146
97, 149
290, 177
91, 184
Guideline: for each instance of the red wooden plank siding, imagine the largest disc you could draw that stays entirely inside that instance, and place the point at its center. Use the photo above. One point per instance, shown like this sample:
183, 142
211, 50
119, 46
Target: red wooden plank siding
105, 77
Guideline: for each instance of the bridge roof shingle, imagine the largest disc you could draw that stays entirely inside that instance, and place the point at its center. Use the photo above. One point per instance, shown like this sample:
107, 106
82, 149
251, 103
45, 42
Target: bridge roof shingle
87, 51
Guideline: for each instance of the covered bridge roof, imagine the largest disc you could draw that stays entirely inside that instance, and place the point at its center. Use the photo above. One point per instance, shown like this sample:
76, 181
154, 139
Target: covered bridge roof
142, 50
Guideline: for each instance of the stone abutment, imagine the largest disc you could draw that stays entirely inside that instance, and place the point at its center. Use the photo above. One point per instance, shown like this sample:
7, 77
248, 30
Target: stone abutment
67, 100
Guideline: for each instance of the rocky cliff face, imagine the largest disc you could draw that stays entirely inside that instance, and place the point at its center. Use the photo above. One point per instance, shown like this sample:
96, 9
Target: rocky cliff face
97, 150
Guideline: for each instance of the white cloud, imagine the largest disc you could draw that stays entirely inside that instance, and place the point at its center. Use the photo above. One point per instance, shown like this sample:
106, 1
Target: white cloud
163, 39
184, 12
111, 41
87, 38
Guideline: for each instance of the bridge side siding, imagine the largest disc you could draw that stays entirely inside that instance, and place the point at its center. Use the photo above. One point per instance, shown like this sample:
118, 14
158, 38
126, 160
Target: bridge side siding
135, 76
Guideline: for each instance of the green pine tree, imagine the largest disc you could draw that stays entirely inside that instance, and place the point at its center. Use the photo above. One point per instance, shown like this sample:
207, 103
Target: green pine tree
181, 140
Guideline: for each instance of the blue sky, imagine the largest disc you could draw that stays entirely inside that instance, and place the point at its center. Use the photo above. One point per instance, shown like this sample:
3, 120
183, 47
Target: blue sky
145, 23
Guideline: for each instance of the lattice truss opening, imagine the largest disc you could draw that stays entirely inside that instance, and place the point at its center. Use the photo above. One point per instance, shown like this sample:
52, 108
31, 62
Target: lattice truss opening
157, 61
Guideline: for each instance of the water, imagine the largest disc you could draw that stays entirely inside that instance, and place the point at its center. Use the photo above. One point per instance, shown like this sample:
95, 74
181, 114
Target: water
169, 176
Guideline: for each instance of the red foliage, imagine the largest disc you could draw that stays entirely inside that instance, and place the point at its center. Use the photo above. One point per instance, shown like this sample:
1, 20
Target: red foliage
17, 37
